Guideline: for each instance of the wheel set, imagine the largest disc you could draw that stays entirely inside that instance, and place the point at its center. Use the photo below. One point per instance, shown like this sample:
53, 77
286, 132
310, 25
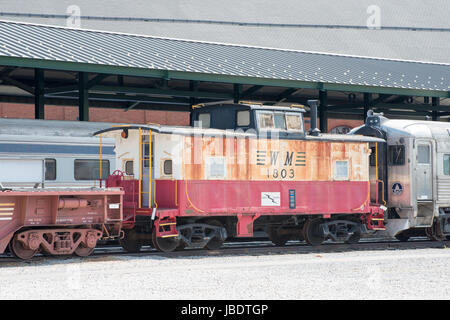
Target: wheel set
132, 240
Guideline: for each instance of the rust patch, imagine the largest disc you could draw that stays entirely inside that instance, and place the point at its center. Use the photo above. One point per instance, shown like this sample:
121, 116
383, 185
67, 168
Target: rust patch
264, 159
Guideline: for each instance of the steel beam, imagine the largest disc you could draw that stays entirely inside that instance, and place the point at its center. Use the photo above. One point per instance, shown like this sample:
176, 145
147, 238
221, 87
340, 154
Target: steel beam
193, 86
237, 92
39, 103
83, 97
367, 104
435, 102
247, 93
162, 92
286, 94
323, 111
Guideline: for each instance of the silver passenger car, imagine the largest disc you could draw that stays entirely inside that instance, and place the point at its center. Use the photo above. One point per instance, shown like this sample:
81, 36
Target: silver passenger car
69, 153
416, 174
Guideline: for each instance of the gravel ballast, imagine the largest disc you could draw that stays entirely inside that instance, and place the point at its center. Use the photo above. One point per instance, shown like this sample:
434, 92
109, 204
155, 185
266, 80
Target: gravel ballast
390, 274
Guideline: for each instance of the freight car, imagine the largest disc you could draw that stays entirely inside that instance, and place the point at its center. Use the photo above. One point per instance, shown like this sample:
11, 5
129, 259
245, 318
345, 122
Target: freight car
69, 215
70, 152
241, 167
58, 221
415, 165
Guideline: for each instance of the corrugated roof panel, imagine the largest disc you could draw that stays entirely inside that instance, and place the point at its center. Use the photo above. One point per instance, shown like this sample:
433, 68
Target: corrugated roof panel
114, 49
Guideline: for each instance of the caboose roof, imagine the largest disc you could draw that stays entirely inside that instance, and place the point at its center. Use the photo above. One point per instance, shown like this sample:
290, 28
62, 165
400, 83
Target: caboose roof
189, 131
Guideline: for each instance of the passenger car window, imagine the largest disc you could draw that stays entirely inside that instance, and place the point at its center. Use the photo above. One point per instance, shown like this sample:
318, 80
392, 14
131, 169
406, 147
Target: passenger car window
423, 154
447, 164
50, 169
89, 169
396, 155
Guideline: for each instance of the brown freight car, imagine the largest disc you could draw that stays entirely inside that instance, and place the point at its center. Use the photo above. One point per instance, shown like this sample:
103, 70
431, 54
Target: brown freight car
58, 221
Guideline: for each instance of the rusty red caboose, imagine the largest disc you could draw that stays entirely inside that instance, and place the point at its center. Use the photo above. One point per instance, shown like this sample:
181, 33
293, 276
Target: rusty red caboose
240, 168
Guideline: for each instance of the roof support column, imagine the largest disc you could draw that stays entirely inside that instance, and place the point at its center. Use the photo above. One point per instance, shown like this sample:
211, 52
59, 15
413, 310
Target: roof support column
193, 86
323, 111
367, 104
39, 104
237, 90
435, 105
83, 97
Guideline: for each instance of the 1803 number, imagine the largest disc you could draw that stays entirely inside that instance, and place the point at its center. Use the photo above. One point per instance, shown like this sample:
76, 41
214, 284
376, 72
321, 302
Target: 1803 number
283, 173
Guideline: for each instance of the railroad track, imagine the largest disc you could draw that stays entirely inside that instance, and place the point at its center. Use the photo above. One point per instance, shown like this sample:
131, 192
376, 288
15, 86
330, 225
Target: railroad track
248, 248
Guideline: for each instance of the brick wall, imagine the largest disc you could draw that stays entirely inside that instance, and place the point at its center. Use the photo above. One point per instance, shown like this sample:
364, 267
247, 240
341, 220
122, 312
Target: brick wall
12, 110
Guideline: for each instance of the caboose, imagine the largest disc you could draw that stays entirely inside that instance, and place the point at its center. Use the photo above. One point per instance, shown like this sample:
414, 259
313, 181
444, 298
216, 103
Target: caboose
240, 168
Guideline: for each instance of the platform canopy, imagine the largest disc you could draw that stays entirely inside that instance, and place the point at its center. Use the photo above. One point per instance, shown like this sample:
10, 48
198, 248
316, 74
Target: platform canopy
83, 67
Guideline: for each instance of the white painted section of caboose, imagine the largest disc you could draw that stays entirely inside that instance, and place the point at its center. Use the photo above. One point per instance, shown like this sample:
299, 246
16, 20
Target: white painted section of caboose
126, 149
167, 147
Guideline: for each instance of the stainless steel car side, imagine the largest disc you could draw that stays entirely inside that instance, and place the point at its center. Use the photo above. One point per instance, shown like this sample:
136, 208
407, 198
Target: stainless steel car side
417, 165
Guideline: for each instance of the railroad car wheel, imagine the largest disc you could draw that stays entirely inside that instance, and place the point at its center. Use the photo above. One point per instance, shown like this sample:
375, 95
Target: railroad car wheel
181, 246
402, 236
164, 244
83, 251
215, 243
276, 238
312, 232
19, 251
354, 238
131, 242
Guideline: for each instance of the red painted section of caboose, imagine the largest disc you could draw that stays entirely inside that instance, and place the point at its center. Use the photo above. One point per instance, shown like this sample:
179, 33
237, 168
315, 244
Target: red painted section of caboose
222, 197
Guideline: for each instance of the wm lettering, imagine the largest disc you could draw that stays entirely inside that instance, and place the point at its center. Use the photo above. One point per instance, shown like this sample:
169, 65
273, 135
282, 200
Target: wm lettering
287, 160
273, 157
289, 156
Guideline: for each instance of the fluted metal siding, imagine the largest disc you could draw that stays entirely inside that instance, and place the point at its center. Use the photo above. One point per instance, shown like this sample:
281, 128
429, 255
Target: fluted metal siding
443, 190
114, 49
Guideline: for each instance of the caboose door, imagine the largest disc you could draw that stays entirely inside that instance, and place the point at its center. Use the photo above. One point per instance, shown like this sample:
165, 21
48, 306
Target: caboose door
147, 167
424, 170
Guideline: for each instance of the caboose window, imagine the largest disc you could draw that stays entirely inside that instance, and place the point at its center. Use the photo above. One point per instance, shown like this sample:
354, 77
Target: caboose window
266, 121
217, 167
396, 155
280, 121
294, 122
50, 169
205, 120
167, 167
129, 167
341, 170
243, 118
89, 169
